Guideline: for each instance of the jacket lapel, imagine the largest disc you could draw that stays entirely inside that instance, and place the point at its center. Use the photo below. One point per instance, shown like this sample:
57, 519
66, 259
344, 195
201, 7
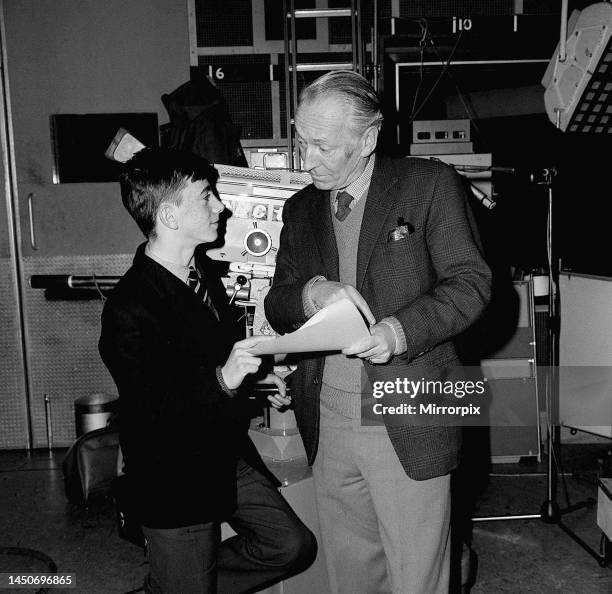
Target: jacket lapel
379, 201
323, 232
176, 294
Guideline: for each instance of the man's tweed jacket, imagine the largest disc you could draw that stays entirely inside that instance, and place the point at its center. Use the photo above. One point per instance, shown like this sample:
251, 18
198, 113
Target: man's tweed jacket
434, 281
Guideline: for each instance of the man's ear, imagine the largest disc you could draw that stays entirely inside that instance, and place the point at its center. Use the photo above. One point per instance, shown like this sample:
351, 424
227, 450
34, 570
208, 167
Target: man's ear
167, 215
370, 138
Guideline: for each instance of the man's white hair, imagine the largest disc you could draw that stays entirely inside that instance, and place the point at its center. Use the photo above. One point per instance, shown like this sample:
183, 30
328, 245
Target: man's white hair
352, 88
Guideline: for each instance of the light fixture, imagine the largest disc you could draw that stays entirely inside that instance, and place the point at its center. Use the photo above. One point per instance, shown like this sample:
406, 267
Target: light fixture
578, 80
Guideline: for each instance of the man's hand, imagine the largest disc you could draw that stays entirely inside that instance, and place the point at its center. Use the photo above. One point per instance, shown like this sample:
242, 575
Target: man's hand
241, 362
276, 400
378, 348
324, 293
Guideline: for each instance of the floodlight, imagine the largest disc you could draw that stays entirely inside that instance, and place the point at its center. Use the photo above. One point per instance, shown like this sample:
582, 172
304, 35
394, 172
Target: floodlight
578, 81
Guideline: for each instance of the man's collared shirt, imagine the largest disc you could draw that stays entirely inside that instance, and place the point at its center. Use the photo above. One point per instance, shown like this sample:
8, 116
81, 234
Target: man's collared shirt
357, 189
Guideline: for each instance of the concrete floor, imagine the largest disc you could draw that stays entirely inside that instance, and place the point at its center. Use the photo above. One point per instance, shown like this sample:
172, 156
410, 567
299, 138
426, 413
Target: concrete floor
513, 556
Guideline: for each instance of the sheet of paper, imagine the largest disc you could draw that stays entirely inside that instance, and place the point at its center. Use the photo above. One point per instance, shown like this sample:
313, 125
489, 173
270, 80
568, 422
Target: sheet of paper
334, 328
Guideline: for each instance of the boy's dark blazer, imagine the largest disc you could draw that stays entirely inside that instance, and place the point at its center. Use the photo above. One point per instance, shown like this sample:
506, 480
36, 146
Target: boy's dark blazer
419, 259
180, 433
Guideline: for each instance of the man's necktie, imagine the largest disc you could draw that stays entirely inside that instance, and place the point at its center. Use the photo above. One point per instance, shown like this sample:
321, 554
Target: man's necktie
197, 285
344, 199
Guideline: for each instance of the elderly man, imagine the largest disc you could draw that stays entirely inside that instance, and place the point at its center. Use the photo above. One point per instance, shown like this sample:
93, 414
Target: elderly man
396, 237
167, 334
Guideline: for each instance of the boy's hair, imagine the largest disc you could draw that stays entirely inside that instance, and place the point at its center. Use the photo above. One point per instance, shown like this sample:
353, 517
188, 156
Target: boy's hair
153, 176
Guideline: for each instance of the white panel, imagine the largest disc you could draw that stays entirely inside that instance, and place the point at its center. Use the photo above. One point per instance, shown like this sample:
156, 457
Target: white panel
585, 353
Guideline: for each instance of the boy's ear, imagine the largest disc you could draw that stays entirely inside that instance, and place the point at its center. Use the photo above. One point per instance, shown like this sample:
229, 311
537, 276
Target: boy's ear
167, 215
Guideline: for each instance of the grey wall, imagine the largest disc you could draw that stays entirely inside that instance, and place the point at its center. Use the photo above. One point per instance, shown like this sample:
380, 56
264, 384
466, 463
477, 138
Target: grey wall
85, 56
72, 56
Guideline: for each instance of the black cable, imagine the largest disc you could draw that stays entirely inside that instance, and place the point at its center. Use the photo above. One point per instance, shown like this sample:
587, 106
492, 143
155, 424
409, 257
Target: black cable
442, 73
97, 286
424, 24
422, 44
469, 111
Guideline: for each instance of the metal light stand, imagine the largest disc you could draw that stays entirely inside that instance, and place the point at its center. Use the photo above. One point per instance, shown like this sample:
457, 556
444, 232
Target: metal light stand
550, 511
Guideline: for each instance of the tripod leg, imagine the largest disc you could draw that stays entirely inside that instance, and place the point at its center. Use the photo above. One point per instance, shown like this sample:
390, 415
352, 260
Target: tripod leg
581, 542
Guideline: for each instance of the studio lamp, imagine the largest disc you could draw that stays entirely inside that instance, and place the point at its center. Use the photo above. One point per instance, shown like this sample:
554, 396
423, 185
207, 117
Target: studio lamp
578, 80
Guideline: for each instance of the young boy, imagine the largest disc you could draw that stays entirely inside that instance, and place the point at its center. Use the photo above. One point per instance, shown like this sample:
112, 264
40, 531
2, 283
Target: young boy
167, 336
